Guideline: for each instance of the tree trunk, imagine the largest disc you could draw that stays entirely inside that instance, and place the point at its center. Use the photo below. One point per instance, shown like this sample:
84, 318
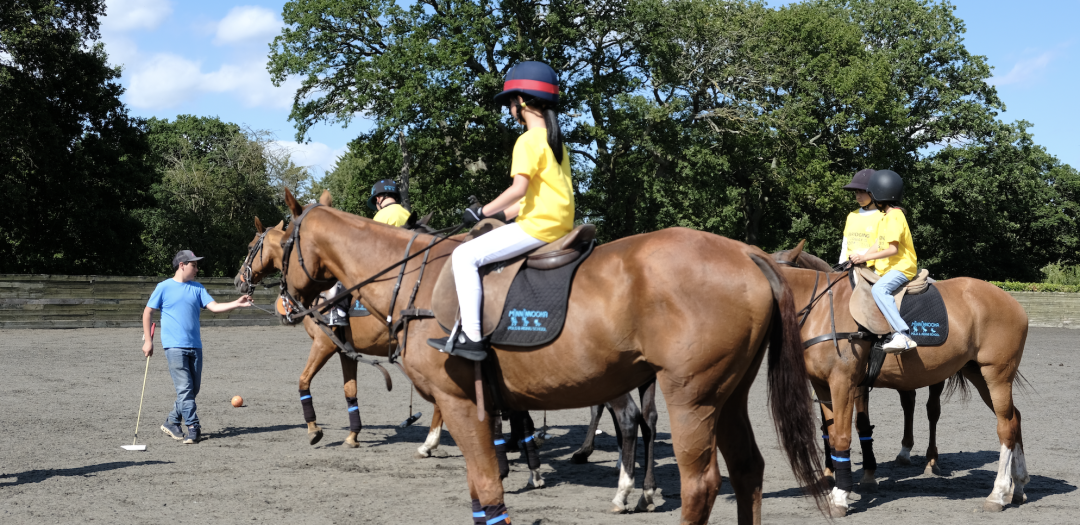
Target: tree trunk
405, 160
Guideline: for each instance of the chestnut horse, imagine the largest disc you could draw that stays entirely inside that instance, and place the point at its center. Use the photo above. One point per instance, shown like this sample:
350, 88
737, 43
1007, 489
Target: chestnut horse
697, 310
987, 332
862, 400
367, 334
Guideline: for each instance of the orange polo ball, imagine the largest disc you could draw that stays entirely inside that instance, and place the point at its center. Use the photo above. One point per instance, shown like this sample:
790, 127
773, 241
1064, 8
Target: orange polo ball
237, 401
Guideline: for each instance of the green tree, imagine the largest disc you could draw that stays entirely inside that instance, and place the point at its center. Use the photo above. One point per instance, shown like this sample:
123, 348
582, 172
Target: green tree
214, 177
72, 161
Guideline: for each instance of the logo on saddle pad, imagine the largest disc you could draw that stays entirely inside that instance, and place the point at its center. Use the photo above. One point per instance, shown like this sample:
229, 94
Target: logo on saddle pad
524, 316
924, 329
358, 306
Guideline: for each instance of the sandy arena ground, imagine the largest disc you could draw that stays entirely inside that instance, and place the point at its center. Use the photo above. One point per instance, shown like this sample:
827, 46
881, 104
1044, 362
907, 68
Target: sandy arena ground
71, 398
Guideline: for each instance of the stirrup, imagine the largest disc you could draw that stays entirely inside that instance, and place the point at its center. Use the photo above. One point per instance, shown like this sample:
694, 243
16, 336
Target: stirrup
460, 345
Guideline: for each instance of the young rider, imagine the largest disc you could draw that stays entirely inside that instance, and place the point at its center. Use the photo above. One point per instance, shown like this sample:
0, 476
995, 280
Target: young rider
860, 230
384, 199
894, 260
541, 182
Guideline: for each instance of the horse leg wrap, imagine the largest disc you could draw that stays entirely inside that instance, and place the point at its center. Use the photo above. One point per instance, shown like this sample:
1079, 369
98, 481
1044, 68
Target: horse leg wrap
531, 454
496, 515
354, 415
842, 469
500, 456
309, 407
478, 516
866, 441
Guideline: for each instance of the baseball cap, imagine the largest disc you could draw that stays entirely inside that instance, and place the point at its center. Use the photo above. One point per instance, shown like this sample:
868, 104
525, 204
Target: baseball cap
860, 180
183, 256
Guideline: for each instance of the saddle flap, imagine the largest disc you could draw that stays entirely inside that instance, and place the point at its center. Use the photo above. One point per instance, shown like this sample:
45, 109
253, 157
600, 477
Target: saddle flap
564, 250
494, 278
862, 306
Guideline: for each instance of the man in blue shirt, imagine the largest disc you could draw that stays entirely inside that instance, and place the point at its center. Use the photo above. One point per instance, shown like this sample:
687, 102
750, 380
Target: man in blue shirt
180, 301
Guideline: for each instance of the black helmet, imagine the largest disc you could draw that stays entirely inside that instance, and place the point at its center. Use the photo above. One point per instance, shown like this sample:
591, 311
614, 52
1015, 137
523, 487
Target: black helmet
885, 186
383, 187
859, 181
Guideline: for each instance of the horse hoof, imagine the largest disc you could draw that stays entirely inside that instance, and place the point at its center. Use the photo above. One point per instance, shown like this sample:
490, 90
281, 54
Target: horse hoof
618, 510
422, 453
350, 444
870, 485
644, 505
903, 460
579, 459
933, 469
990, 506
314, 436
1019, 499
837, 512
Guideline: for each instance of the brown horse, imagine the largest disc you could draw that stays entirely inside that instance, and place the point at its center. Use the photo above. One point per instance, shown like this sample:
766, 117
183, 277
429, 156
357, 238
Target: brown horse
367, 334
987, 331
697, 310
862, 400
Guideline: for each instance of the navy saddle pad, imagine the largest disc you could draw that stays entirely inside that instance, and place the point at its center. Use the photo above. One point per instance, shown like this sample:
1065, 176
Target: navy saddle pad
358, 310
535, 308
926, 317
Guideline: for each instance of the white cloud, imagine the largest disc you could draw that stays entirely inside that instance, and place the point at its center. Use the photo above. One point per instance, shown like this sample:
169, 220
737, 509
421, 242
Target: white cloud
125, 15
247, 22
166, 80
315, 155
1024, 70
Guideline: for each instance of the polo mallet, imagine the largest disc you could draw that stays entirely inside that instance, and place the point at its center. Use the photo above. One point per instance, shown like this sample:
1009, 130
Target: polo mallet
133, 446
411, 419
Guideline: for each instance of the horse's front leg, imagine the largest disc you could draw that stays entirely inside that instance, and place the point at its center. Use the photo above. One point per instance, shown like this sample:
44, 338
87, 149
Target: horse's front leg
866, 440
626, 418
434, 435
933, 413
907, 403
348, 372
321, 350
649, 416
843, 393
475, 439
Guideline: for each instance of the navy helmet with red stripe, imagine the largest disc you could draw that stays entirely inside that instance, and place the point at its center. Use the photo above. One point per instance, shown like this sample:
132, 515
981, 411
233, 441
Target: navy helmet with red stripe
535, 79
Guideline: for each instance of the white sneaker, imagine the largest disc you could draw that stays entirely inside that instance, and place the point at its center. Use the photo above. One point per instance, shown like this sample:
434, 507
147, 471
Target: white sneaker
898, 344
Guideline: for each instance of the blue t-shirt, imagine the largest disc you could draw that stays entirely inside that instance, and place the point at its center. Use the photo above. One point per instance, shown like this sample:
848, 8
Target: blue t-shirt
180, 305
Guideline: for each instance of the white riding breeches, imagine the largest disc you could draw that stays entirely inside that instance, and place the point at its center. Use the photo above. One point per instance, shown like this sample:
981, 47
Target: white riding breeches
497, 245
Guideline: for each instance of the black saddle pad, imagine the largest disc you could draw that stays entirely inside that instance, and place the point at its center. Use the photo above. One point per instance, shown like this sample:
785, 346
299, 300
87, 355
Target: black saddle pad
926, 317
358, 310
535, 308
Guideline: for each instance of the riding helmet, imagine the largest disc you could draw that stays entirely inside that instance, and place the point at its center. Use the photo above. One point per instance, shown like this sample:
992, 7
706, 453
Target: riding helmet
885, 186
385, 186
535, 79
859, 181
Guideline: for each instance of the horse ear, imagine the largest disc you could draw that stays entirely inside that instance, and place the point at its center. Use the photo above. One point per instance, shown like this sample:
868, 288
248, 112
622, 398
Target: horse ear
280, 225
294, 207
326, 200
793, 254
259, 226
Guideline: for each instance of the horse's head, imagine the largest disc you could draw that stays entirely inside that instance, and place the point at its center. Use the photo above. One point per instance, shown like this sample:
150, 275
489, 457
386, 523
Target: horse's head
302, 273
797, 258
263, 257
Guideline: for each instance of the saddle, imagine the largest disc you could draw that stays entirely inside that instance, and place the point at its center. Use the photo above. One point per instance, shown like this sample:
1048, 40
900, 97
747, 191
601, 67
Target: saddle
496, 278
862, 305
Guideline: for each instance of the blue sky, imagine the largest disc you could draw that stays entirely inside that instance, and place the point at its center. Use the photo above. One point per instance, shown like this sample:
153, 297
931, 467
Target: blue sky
209, 59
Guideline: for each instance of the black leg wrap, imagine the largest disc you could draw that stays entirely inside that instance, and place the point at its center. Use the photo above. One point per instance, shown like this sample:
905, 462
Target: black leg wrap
825, 437
842, 461
517, 432
309, 407
354, 415
866, 441
496, 515
478, 516
500, 456
531, 454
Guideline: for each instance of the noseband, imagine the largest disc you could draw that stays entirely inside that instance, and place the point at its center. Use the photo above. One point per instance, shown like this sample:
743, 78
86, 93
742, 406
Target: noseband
246, 273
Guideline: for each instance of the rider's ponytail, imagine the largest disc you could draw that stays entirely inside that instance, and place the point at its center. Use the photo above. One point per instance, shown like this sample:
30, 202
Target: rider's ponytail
554, 134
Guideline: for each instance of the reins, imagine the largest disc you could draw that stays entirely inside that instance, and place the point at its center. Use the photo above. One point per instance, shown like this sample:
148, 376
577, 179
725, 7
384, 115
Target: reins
814, 298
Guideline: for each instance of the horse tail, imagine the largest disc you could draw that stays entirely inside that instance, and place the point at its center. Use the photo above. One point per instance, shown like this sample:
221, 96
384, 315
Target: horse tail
957, 383
789, 399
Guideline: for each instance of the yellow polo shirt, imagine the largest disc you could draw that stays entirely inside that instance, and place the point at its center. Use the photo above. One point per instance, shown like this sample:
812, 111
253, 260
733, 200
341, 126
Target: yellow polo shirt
547, 212
861, 233
894, 228
394, 215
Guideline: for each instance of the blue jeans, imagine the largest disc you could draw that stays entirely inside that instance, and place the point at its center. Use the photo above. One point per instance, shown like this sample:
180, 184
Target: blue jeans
185, 367
883, 295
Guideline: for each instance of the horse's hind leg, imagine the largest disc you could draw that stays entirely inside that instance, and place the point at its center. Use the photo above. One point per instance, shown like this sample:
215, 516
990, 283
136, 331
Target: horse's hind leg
582, 454
434, 434
693, 436
348, 372
1012, 474
746, 467
933, 413
321, 350
907, 403
626, 419
649, 415
866, 440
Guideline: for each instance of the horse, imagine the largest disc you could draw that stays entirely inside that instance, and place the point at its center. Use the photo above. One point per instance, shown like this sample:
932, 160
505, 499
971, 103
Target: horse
369, 335
642, 305
987, 332
862, 400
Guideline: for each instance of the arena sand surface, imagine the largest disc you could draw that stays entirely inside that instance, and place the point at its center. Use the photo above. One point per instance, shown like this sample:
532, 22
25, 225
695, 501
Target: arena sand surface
70, 399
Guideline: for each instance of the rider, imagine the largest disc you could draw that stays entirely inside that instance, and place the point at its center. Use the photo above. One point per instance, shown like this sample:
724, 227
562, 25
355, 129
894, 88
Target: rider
894, 260
860, 230
541, 174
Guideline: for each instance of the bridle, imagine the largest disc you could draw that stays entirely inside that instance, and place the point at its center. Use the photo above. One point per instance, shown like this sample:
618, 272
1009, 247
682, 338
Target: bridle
814, 298
246, 273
